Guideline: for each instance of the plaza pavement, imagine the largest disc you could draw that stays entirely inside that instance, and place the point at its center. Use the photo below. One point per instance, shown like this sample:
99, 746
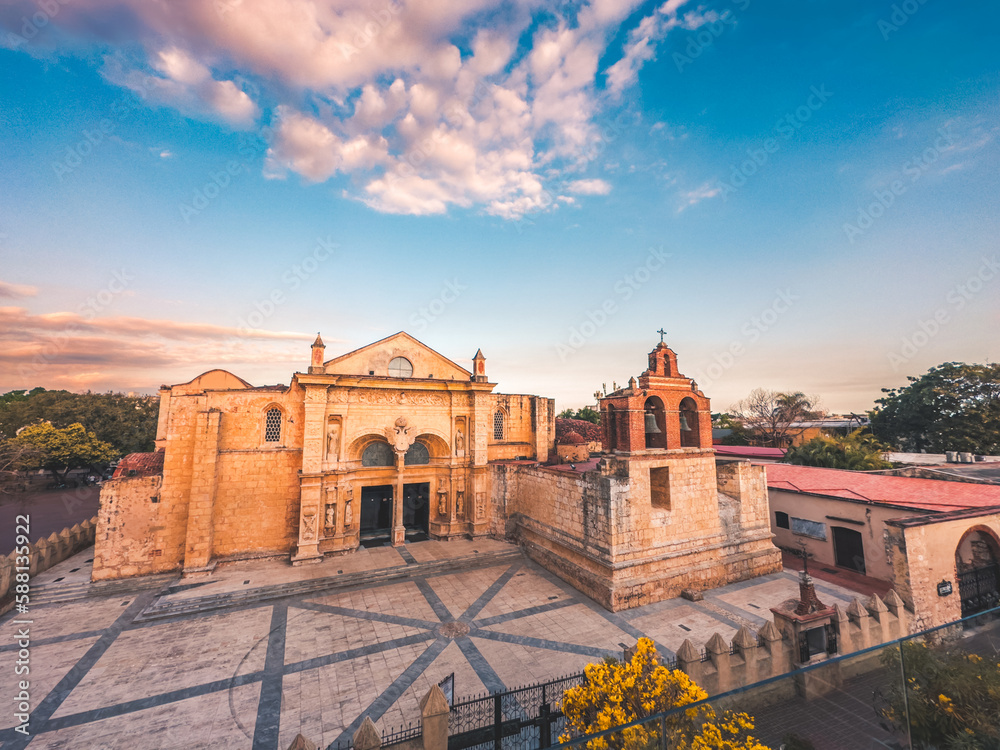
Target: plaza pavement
261, 651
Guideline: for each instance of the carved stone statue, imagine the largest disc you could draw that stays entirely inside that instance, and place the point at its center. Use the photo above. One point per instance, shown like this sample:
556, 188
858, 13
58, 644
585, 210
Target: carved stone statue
331, 515
348, 512
480, 506
459, 504
332, 440
459, 440
400, 436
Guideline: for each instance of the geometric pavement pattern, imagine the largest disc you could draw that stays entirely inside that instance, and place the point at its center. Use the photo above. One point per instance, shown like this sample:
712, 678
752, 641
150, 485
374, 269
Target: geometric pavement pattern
223, 665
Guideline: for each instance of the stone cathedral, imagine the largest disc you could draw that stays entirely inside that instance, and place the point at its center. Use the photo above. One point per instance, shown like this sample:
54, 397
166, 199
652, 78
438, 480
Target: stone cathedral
396, 443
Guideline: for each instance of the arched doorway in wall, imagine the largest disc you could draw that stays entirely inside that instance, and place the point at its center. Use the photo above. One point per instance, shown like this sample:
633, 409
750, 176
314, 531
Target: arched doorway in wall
690, 429
655, 423
377, 500
977, 562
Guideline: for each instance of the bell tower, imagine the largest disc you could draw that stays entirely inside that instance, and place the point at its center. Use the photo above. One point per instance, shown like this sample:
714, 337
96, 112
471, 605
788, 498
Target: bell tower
662, 411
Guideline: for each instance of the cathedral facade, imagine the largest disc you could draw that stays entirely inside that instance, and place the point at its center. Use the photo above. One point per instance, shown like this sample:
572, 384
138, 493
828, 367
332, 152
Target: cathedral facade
387, 443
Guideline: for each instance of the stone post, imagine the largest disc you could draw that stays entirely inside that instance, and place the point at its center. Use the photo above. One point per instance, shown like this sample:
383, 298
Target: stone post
434, 715
880, 613
774, 642
301, 743
898, 608
746, 644
44, 557
689, 662
859, 615
367, 737
398, 530
845, 638
718, 652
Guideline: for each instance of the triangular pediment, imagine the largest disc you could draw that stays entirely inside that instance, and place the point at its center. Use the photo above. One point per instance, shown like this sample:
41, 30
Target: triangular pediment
374, 359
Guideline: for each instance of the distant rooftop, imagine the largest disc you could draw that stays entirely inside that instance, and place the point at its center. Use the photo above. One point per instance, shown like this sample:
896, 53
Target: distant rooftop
920, 494
749, 451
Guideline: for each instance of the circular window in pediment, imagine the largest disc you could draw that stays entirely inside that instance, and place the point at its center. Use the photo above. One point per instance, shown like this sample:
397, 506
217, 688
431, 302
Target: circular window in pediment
400, 367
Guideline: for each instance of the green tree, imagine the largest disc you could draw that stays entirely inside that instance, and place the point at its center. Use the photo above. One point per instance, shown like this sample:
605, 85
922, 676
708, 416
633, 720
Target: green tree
951, 699
58, 450
126, 422
952, 407
859, 451
739, 434
586, 414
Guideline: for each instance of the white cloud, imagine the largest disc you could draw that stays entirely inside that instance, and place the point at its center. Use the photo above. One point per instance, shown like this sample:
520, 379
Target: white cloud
381, 92
699, 194
589, 187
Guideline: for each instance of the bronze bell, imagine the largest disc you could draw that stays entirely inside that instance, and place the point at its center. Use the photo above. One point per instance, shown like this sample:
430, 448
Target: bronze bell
684, 424
651, 423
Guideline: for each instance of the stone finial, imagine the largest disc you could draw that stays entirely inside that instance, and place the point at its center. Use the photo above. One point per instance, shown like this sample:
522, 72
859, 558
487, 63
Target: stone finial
876, 605
687, 652
857, 609
839, 615
717, 644
434, 702
301, 743
893, 601
744, 639
367, 737
771, 632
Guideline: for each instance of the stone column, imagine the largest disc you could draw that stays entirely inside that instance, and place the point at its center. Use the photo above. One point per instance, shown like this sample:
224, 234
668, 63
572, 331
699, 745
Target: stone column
201, 503
398, 530
311, 477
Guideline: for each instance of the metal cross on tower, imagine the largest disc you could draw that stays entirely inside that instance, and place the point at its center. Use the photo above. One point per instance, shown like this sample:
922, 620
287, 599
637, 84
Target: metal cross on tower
662, 334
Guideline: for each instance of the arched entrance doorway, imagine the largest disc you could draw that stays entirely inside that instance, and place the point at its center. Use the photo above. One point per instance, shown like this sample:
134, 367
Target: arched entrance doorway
977, 560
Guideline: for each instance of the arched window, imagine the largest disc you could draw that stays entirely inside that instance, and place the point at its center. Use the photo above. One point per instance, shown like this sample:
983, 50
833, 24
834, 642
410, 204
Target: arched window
612, 417
378, 453
654, 423
400, 367
498, 425
690, 428
417, 455
272, 425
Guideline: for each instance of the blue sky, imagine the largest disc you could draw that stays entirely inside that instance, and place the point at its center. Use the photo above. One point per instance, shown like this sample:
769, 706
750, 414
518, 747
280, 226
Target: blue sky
803, 194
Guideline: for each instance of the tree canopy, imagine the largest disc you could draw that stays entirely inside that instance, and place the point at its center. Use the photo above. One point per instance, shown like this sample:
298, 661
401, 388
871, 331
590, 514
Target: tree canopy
126, 422
615, 693
770, 416
60, 449
952, 407
586, 414
859, 451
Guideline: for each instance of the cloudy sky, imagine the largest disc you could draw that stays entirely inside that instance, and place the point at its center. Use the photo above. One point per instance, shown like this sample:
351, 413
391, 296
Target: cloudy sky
803, 194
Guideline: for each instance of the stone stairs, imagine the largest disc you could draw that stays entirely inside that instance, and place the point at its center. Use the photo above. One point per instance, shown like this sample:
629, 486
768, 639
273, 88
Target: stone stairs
163, 609
58, 593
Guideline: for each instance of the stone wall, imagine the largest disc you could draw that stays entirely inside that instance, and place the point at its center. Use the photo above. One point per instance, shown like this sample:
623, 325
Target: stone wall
41, 556
922, 553
719, 666
625, 539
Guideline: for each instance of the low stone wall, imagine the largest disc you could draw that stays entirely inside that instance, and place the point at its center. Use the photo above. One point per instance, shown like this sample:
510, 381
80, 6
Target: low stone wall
42, 555
754, 658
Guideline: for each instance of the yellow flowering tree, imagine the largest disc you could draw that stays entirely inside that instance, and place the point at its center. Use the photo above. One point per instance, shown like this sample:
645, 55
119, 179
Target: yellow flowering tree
615, 693
952, 698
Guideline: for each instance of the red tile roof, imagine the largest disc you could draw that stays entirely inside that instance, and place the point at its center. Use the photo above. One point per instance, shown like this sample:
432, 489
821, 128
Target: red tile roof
140, 465
591, 432
749, 451
933, 495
